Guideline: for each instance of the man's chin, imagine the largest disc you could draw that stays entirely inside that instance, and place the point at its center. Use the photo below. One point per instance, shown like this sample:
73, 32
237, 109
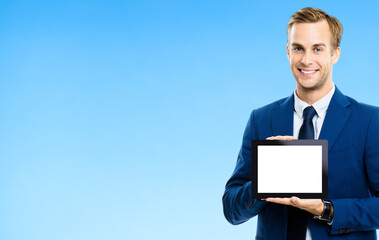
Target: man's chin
310, 86
307, 84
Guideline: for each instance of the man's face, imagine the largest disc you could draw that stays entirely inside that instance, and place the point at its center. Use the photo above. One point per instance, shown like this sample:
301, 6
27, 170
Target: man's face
311, 56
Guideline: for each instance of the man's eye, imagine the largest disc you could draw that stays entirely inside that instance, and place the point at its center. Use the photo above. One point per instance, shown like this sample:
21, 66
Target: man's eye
318, 50
298, 49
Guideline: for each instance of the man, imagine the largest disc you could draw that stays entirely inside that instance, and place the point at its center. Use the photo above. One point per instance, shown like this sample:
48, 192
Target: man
352, 131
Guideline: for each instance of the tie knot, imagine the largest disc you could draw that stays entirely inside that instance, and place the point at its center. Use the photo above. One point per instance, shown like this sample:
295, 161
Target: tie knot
309, 113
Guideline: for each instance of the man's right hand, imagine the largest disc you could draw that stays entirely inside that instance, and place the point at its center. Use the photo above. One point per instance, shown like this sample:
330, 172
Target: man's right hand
281, 138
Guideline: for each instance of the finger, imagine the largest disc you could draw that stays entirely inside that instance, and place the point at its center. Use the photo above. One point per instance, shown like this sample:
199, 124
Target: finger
274, 137
282, 138
290, 138
285, 201
285, 138
295, 201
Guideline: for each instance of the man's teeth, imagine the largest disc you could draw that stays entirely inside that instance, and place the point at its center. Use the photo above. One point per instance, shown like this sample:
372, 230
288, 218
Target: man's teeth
308, 72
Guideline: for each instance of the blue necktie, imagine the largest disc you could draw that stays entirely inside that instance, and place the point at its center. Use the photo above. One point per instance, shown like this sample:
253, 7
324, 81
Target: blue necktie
297, 218
306, 130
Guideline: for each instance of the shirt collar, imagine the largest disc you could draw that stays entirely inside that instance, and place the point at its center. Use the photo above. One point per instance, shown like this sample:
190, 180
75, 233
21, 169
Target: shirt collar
320, 106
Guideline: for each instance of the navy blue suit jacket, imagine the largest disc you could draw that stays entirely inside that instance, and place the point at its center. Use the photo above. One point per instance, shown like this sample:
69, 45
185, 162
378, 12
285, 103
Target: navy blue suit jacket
352, 131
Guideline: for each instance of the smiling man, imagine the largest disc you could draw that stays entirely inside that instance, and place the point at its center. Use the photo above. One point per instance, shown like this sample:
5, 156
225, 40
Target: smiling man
316, 110
312, 53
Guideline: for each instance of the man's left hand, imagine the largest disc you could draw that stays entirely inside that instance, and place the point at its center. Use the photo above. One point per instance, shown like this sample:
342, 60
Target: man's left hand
314, 206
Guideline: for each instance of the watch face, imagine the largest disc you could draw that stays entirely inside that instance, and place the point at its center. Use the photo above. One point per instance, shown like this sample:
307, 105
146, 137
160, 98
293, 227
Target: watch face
325, 216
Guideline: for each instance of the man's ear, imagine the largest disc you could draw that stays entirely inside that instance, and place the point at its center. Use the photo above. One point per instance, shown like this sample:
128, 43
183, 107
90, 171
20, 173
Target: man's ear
336, 55
288, 52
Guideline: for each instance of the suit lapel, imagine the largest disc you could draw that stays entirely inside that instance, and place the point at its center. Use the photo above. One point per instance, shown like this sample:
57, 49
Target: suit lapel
336, 118
282, 118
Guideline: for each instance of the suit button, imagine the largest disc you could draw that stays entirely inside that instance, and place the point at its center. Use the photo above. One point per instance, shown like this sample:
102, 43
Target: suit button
342, 231
349, 230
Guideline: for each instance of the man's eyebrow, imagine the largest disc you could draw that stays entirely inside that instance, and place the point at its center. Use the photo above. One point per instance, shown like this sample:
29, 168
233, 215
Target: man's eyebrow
319, 45
296, 44
314, 45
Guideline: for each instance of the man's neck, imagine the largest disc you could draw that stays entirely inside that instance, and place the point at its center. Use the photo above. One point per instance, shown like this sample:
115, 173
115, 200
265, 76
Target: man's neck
311, 96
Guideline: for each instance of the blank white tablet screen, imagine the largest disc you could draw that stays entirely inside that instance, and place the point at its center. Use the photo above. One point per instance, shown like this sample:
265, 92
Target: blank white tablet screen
289, 169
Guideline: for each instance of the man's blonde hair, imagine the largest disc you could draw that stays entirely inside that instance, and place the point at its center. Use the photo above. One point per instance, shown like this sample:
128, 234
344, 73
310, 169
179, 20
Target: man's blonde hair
313, 15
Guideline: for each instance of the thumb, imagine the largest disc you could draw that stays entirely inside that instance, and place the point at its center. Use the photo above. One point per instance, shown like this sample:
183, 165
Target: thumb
295, 201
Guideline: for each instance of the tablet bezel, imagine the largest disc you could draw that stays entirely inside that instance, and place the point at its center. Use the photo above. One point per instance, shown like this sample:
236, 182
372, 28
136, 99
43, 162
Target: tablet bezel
254, 172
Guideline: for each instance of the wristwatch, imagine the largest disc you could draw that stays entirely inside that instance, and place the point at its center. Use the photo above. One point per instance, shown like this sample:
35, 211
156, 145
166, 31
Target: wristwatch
326, 213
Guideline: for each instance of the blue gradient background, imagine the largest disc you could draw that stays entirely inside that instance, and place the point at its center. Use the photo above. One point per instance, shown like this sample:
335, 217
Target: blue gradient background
123, 119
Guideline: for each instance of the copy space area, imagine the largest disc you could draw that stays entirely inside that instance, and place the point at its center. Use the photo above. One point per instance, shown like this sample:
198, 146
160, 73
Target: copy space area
289, 169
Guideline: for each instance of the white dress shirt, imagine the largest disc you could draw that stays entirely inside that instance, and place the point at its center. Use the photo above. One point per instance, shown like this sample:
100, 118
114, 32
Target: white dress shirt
321, 107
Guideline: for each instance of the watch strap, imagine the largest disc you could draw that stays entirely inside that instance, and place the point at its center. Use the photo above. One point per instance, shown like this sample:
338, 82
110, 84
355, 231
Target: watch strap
326, 213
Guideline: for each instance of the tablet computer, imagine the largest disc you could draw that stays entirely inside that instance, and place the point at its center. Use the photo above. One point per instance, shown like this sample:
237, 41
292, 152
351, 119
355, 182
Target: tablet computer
290, 168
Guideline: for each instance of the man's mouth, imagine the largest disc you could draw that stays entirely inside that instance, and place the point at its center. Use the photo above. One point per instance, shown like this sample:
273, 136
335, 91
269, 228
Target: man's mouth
307, 71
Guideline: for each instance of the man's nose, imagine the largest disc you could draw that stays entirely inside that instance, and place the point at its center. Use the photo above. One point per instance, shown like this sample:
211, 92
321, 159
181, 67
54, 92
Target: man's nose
307, 58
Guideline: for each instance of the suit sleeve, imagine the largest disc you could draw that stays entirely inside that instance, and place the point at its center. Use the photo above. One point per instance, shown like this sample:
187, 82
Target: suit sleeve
354, 215
237, 201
